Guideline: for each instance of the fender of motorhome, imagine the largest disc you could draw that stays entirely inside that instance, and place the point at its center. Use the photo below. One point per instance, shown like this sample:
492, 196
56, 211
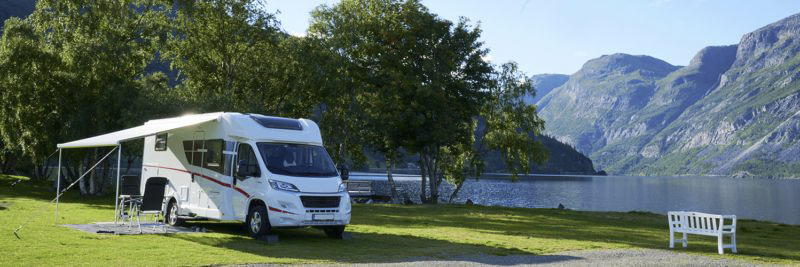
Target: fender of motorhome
268, 172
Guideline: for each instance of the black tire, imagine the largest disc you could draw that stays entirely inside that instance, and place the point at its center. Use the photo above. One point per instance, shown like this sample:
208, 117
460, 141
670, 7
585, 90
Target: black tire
257, 223
334, 231
172, 214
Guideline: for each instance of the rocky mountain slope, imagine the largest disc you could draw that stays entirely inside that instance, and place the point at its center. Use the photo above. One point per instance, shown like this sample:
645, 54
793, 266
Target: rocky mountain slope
544, 83
733, 109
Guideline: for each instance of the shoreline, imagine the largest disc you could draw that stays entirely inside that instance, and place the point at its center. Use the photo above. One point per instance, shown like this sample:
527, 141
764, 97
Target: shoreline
501, 176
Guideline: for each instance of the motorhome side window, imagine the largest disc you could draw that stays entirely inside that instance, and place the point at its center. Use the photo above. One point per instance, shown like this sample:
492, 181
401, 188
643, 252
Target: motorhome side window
161, 142
213, 160
205, 153
247, 157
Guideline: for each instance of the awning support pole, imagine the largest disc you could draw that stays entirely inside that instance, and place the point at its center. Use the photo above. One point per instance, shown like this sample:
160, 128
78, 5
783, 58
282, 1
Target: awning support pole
58, 183
61, 192
119, 166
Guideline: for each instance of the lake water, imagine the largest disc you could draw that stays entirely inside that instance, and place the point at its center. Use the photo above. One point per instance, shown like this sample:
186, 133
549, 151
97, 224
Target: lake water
760, 199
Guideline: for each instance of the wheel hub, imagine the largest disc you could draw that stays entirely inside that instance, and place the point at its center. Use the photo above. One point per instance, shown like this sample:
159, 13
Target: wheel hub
173, 214
255, 222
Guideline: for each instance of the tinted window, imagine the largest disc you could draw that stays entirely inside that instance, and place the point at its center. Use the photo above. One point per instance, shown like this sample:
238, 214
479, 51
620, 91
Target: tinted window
161, 142
277, 123
213, 156
193, 150
205, 153
247, 157
297, 160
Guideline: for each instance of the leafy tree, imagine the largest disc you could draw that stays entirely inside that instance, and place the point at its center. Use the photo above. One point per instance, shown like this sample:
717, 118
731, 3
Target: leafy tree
511, 124
72, 70
225, 53
507, 125
402, 63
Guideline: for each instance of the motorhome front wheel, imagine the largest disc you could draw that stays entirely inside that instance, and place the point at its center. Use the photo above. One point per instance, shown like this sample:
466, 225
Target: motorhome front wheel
257, 222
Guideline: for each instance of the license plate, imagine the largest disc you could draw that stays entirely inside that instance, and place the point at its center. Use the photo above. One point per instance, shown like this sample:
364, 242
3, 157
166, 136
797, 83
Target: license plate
322, 217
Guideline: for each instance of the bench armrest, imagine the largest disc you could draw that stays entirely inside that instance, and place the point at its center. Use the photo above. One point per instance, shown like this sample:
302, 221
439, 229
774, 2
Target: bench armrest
732, 226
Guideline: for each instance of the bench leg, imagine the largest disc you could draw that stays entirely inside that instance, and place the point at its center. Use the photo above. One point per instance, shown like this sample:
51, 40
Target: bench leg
719, 244
733, 242
685, 240
671, 239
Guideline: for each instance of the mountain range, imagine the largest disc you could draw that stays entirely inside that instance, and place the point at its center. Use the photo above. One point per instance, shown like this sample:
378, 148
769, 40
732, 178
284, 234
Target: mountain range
733, 110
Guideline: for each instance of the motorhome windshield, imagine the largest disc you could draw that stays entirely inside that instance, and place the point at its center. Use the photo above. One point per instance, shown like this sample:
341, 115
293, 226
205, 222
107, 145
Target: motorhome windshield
297, 160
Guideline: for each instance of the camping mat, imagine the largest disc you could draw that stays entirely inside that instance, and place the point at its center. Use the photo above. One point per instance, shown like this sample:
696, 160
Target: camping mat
125, 229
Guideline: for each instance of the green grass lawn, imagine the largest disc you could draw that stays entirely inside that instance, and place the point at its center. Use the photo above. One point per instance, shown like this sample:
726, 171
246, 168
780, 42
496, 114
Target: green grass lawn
381, 233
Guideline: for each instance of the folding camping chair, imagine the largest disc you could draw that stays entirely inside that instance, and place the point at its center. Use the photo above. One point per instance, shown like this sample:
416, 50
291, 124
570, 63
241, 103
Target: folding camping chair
128, 191
150, 205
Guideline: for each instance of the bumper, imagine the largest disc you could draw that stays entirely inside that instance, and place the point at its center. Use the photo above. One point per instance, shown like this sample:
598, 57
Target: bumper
287, 210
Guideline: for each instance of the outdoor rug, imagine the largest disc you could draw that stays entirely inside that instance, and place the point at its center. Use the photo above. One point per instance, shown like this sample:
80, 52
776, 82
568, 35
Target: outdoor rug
124, 229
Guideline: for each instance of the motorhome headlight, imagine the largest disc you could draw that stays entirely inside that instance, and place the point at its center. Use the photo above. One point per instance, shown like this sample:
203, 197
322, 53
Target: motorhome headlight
342, 187
283, 186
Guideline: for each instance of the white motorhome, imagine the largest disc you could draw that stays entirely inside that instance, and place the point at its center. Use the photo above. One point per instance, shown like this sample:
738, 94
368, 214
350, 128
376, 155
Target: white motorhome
268, 172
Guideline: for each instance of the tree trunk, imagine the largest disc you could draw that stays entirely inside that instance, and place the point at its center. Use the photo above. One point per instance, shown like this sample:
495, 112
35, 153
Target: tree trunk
81, 184
392, 185
92, 176
101, 183
433, 173
423, 196
430, 172
43, 171
8, 163
455, 192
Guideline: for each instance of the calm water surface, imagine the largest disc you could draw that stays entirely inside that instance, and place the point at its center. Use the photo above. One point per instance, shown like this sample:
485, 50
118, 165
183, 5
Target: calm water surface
760, 199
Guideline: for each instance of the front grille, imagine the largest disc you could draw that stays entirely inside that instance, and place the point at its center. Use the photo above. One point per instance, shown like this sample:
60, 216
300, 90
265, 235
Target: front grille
320, 201
322, 211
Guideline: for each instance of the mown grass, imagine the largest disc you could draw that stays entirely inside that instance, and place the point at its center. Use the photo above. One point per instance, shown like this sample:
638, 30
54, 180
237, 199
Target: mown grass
381, 233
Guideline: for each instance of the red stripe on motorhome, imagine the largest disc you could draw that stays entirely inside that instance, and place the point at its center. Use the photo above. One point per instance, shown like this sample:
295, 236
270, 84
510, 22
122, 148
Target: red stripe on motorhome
279, 210
204, 176
242, 191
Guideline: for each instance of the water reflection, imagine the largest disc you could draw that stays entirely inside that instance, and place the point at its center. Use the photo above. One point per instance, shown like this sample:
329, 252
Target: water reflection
761, 199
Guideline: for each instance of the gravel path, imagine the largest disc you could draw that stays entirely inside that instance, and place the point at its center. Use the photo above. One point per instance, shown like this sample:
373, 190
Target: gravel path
634, 257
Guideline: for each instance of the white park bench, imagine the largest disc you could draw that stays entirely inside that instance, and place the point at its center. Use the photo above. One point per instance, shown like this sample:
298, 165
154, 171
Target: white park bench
698, 223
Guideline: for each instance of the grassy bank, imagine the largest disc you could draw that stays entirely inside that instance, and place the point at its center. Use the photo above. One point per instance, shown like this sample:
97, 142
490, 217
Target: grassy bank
381, 233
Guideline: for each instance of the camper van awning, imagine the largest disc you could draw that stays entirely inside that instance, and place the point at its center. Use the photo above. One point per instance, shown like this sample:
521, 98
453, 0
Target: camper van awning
149, 128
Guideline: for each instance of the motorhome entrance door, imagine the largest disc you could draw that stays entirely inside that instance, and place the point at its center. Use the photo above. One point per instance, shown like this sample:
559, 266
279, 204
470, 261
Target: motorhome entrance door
199, 196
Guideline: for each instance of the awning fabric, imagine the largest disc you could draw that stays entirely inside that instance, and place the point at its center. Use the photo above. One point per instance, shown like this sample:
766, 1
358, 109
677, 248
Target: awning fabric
150, 128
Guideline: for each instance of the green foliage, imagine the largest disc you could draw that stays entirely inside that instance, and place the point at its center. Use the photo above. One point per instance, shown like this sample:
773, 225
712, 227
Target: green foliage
15, 8
227, 55
764, 167
385, 75
401, 63
71, 70
510, 123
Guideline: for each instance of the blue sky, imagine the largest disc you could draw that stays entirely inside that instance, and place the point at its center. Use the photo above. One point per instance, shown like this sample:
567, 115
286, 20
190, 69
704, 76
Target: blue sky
559, 36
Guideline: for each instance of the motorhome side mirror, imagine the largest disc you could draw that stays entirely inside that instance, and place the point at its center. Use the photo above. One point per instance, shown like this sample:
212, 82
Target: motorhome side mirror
241, 169
344, 172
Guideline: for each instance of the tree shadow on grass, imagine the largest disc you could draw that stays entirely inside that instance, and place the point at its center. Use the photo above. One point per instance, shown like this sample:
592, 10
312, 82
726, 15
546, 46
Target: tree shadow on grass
643, 230
311, 245
43, 191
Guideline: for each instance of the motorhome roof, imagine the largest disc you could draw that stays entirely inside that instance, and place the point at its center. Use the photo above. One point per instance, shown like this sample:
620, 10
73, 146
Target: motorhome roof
240, 125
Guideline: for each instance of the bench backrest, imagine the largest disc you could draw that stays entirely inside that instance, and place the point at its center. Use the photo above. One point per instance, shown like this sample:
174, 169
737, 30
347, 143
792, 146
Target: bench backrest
359, 187
698, 221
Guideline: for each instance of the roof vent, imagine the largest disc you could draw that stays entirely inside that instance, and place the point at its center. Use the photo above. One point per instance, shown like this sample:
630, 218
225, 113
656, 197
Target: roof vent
277, 123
